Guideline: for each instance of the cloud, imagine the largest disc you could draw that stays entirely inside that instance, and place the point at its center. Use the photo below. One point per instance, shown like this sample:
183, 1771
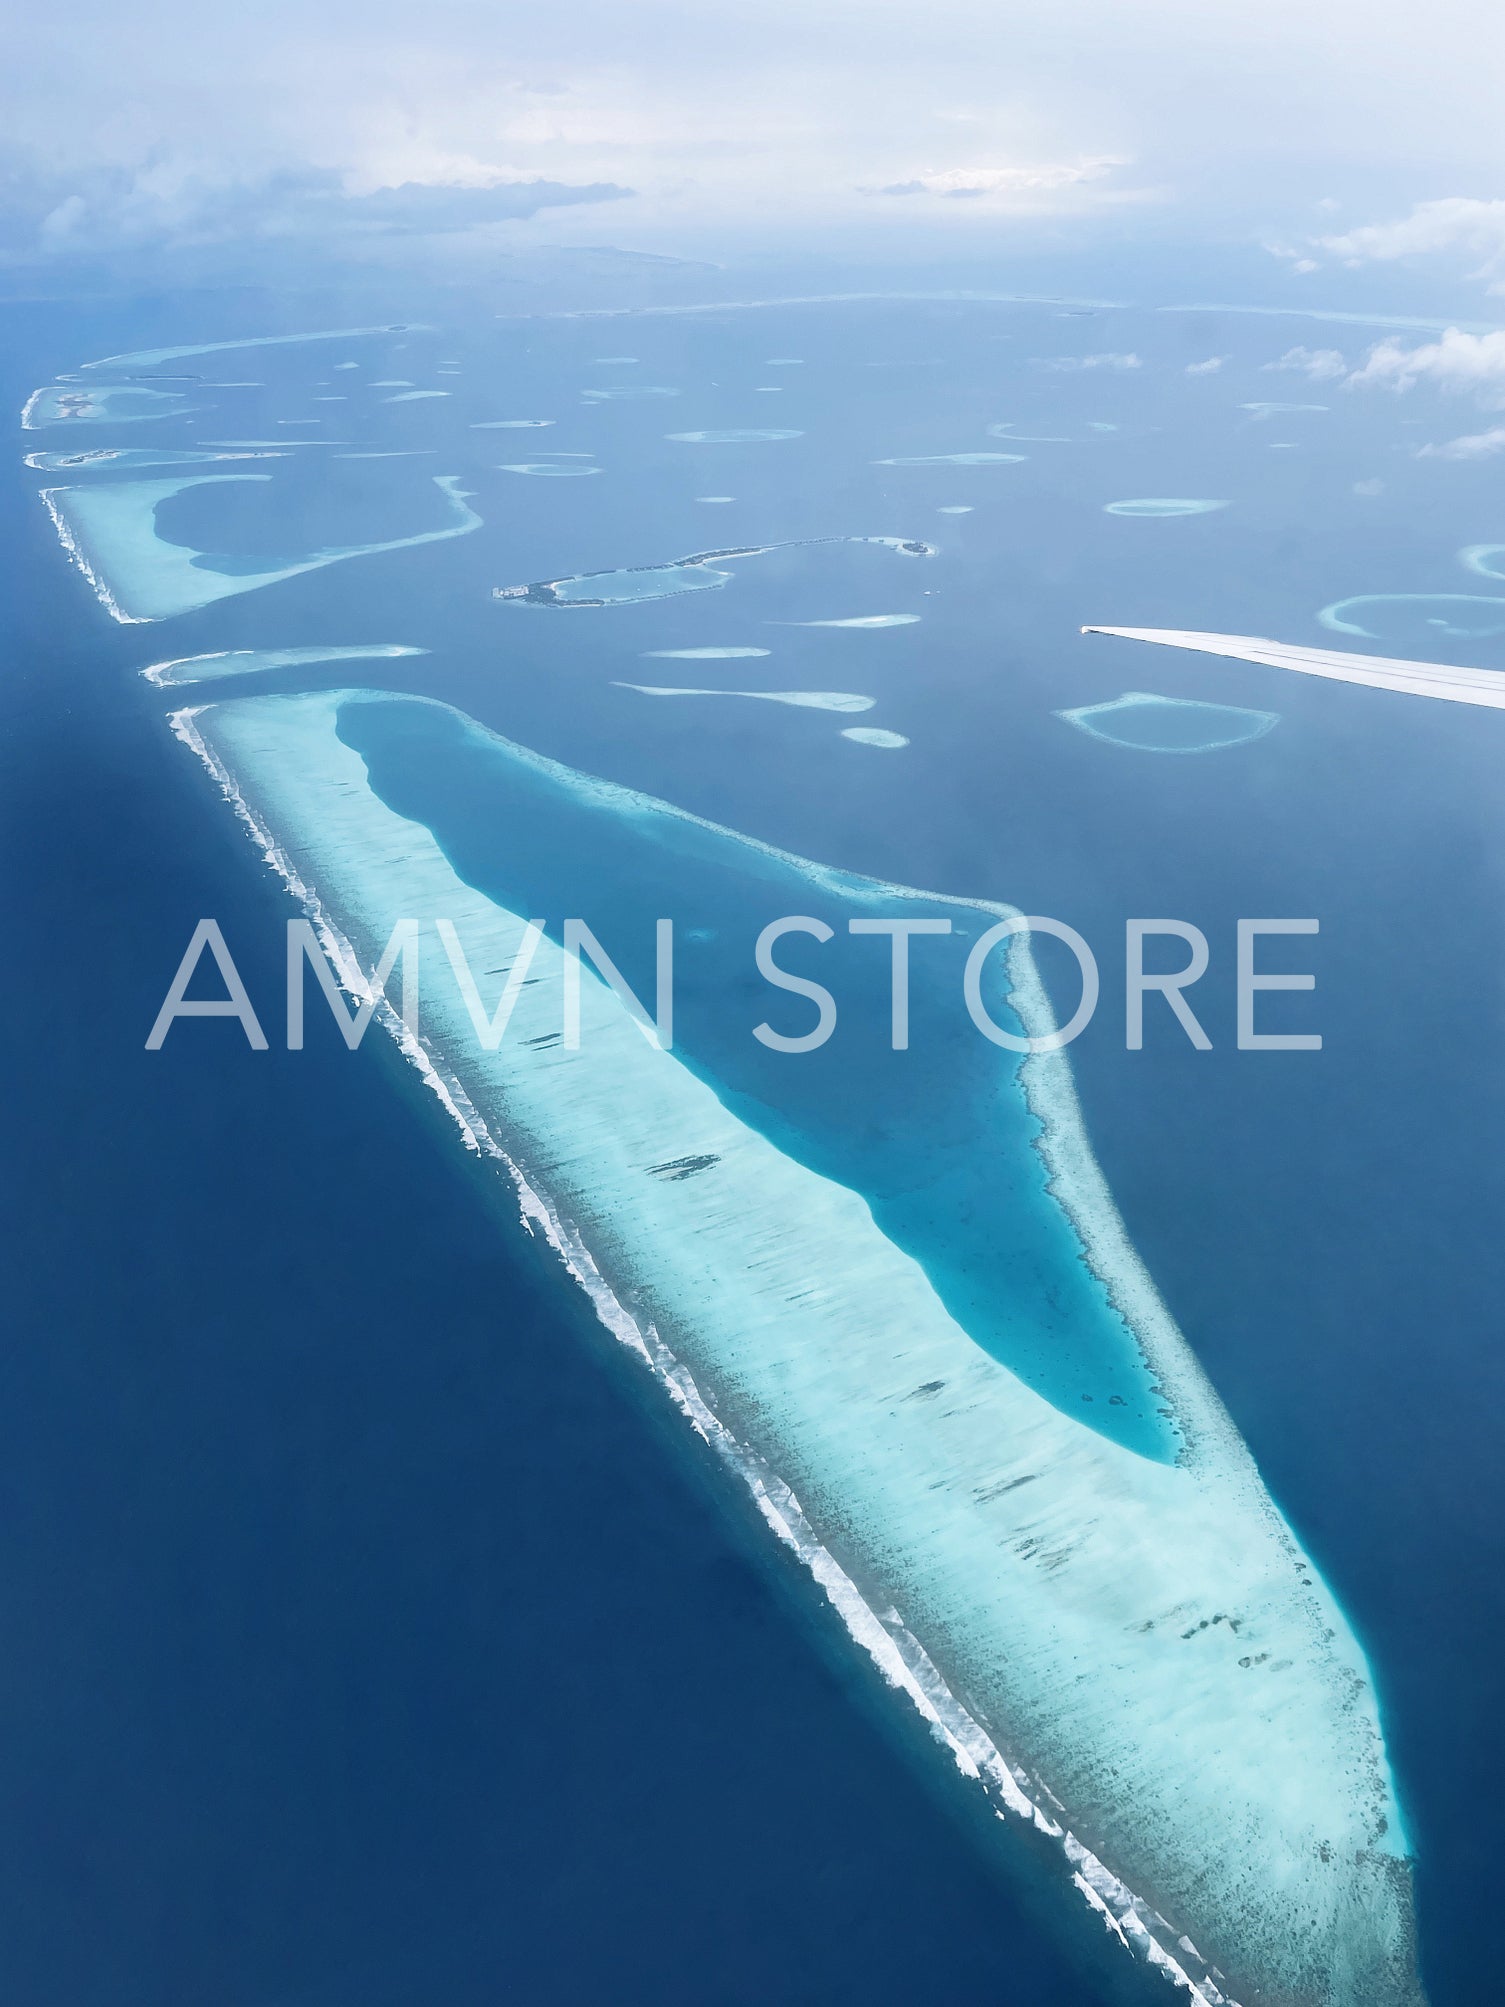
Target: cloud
731, 125
1456, 223
975, 181
173, 205
1459, 363
1208, 368
1295, 254
754, 129
416, 206
1474, 446
1107, 360
1322, 365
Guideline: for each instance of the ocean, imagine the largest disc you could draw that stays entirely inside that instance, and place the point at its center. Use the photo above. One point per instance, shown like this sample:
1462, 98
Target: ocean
381, 1606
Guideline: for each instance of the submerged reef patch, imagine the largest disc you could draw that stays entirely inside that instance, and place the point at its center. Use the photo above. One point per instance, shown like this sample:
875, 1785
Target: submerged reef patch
1162, 505
740, 435
1154, 724
112, 404
700, 572
247, 661
952, 460
1395, 616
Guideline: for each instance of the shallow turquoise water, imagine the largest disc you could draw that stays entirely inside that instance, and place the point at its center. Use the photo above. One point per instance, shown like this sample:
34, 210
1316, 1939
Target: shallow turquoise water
941, 1151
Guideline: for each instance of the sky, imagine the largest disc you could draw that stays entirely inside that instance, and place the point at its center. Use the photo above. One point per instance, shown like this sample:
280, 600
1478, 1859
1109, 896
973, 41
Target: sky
1333, 133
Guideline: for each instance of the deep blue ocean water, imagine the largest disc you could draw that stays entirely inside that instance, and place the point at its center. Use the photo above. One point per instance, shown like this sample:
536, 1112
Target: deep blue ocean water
379, 1631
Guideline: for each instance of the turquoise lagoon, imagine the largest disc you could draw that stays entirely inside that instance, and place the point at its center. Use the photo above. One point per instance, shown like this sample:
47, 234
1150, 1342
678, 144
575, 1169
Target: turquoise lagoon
104, 459
1093, 1600
735, 435
69, 404
110, 531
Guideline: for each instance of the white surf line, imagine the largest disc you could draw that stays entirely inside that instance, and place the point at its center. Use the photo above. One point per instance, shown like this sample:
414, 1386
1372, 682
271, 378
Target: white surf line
1485, 687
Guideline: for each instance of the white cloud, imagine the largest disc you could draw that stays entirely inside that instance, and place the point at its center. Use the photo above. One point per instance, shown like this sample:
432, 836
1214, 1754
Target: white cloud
1208, 368
1369, 489
176, 205
746, 126
1107, 360
1322, 365
1456, 362
1295, 254
1457, 223
431, 167
1016, 181
1473, 446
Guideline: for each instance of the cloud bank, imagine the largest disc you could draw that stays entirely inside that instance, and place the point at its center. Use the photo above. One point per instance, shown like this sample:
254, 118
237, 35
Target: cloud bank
1474, 446
1463, 364
171, 205
1008, 181
1321, 365
774, 124
1456, 224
